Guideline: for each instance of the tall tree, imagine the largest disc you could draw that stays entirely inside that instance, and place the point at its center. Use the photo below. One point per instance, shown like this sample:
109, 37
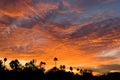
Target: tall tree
55, 60
61, 67
71, 68
5, 59
64, 67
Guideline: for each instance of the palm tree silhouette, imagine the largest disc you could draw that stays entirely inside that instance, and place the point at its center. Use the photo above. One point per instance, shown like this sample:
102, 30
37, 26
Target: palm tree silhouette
55, 60
5, 59
64, 67
71, 69
78, 69
61, 67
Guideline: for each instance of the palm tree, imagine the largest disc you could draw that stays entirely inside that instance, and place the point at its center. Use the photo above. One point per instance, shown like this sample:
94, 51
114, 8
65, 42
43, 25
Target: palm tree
55, 60
78, 69
5, 59
71, 69
61, 67
64, 67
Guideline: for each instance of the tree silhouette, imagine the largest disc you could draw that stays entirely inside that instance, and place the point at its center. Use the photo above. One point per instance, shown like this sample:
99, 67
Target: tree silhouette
5, 59
55, 60
71, 69
42, 63
15, 65
62, 67
81, 71
1, 65
31, 72
86, 72
78, 69
31, 65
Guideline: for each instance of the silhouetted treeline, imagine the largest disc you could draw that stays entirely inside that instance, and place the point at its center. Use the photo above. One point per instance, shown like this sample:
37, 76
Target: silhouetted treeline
31, 71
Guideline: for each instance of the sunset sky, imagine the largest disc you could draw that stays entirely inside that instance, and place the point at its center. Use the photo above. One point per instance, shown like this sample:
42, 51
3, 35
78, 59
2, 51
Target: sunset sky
80, 33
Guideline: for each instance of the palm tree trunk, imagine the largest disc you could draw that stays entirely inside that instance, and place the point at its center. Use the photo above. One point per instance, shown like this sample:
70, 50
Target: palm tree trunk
55, 63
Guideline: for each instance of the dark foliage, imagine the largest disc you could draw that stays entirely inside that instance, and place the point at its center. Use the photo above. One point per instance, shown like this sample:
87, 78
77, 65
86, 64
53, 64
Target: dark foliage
31, 72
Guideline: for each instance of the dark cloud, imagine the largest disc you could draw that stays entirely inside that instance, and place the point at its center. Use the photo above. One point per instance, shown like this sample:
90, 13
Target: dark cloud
6, 20
107, 68
107, 58
98, 35
11, 7
111, 67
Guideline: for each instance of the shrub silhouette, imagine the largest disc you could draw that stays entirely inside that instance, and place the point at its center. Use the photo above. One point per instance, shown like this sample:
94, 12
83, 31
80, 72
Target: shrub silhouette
15, 65
1, 66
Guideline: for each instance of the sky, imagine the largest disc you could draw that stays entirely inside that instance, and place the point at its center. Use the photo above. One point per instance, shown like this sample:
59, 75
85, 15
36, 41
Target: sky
80, 33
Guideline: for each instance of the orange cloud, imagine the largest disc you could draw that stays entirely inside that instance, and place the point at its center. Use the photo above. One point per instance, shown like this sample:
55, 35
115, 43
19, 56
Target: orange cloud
33, 34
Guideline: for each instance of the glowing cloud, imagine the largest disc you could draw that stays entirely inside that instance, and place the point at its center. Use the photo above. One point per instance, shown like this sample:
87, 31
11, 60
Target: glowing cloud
75, 31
